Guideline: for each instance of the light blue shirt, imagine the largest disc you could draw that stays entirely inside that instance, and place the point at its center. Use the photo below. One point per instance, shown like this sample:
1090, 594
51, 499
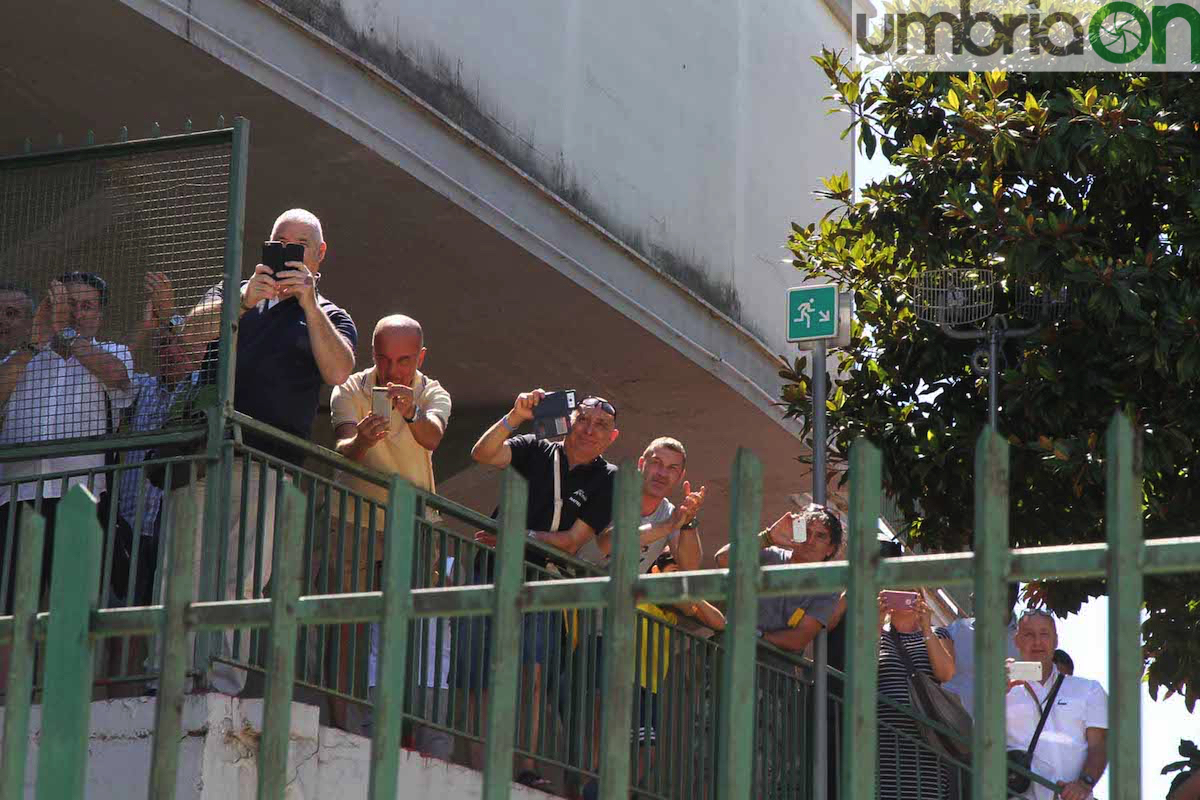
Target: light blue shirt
962, 633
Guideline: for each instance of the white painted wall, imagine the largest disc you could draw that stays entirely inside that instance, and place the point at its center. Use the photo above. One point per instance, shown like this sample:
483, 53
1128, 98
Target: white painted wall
219, 756
695, 126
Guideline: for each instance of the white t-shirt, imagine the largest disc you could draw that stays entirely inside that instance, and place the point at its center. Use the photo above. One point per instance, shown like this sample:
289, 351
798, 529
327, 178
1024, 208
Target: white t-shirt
1062, 748
59, 398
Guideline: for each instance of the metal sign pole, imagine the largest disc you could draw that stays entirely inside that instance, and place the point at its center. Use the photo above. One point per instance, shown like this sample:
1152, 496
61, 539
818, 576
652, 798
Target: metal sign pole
821, 645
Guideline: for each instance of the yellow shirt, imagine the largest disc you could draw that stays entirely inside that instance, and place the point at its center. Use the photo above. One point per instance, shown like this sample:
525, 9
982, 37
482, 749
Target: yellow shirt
399, 453
654, 638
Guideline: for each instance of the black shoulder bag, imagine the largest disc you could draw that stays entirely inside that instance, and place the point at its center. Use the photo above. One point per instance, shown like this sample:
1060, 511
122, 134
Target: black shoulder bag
939, 704
1018, 782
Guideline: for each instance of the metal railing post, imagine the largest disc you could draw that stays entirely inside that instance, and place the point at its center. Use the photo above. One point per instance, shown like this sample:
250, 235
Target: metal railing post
18, 695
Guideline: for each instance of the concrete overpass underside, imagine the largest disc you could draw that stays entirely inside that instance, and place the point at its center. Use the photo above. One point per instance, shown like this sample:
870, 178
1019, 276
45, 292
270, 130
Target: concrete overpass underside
514, 288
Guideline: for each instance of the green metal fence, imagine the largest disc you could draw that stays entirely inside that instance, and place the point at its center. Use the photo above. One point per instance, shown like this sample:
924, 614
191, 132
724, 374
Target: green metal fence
75, 627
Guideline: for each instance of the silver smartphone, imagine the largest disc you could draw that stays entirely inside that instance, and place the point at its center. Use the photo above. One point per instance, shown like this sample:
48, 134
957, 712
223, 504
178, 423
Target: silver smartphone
799, 530
1025, 671
381, 404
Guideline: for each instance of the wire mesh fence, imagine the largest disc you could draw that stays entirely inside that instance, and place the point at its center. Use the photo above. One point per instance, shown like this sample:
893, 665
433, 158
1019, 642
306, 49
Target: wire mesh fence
103, 252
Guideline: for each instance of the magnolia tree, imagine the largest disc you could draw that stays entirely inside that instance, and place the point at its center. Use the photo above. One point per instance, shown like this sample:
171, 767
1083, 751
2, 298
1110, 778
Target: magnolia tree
1084, 186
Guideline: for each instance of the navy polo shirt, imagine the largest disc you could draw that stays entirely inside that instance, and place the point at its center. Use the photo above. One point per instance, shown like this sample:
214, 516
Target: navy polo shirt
277, 379
587, 490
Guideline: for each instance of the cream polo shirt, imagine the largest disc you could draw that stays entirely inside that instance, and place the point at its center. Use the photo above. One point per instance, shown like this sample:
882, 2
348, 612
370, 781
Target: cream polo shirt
1062, 748
399, 453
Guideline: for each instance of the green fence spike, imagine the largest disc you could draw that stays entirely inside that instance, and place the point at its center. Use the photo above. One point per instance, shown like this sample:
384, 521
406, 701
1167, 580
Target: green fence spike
506, 638
58, 141
859, 745
91, 137
75, 582
220, 120
18, 692
173, 639
400, 541
123, 134
155, 131
281, 647
187, 125
620, 636
735, 737
28, 145
1123, 520
991, 610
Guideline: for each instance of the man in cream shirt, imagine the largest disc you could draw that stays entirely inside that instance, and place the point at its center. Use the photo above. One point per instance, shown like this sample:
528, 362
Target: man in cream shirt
402, 443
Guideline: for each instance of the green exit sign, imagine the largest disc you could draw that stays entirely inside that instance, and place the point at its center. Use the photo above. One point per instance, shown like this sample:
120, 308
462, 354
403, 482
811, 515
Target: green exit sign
812, 313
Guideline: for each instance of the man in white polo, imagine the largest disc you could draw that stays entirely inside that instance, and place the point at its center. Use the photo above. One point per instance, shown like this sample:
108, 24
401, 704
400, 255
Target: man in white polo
401, 443
1071, 750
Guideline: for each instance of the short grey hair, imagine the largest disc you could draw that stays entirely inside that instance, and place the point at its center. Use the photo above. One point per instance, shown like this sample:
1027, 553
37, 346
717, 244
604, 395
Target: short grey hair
400, 323
303, 217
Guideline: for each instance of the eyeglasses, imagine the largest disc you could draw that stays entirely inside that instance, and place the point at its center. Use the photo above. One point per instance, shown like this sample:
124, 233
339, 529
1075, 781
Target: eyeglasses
600, 403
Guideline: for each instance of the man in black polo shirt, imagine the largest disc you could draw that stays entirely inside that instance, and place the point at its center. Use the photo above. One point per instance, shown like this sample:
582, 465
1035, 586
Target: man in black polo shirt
291, 341
570, 501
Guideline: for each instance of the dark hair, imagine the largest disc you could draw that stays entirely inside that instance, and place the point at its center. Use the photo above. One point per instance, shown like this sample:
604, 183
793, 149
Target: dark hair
5, 286
1061, 657
89, 278
815, 511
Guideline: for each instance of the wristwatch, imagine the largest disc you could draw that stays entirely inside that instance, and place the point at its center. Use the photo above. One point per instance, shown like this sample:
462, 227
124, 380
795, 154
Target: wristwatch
1087, 779
175, 323
68, 336
413, 418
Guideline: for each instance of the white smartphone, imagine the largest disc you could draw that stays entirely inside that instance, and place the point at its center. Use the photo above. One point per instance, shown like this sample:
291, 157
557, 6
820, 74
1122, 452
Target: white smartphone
1025, 671
799, 530
381, 404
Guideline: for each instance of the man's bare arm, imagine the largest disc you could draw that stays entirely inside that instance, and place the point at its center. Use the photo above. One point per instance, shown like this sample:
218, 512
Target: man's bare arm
107, 368
797, 638
12, 369
570, 540
492, 448
647, 534
427, 430
687, 549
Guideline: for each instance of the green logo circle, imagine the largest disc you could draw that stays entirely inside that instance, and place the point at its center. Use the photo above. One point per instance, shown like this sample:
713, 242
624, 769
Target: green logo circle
1119, 32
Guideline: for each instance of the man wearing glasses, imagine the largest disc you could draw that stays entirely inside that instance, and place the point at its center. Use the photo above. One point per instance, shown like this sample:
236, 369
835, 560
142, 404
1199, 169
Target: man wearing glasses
570, 501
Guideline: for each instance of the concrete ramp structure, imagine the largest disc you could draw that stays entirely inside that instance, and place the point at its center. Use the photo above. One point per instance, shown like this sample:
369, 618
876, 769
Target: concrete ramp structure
566, 193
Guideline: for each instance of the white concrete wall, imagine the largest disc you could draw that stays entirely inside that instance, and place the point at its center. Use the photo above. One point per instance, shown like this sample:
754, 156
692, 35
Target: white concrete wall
219, 756
693, 128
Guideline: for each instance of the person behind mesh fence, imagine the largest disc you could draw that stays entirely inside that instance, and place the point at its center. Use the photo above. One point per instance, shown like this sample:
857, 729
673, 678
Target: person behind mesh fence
400, 443
290, 341
16, 317
162, 383
58, 382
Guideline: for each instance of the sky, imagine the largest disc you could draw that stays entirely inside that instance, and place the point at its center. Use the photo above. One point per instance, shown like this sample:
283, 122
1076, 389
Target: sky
1085, 637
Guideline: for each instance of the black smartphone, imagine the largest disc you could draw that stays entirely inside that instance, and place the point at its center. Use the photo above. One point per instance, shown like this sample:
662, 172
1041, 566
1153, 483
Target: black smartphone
550, 415
275, 255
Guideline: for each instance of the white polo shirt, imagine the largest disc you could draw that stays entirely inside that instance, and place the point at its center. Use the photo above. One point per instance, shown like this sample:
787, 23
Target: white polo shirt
59, 398
1062, 748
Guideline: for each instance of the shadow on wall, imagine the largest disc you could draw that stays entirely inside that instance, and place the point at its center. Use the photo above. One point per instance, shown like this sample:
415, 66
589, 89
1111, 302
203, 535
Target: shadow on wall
440, 85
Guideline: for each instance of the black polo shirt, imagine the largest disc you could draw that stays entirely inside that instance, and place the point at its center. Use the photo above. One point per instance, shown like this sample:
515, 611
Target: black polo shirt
587, 490
277, 379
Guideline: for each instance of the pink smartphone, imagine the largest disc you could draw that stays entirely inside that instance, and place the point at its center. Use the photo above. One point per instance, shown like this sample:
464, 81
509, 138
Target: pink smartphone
900, 601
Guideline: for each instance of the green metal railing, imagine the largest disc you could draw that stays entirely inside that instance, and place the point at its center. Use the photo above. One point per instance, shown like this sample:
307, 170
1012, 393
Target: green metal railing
75, 626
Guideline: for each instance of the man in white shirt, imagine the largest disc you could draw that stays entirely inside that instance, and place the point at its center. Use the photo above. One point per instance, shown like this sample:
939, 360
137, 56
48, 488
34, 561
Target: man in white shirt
60, 384
1071, 751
